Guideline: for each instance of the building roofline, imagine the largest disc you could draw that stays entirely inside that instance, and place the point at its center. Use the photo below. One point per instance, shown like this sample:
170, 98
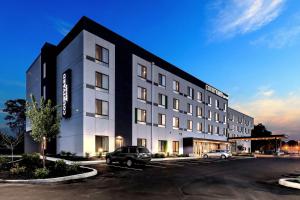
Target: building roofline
95, 28
230, 108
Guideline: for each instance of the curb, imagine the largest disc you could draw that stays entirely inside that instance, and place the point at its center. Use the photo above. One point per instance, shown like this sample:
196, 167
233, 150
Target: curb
287, 183
57, 179
69, 162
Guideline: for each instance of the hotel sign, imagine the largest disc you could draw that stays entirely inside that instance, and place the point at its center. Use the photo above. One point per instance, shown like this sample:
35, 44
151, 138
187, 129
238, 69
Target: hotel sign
66, 93
215, 91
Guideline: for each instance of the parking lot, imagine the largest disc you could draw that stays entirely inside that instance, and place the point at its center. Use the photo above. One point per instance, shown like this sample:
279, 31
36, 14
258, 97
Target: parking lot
234, 178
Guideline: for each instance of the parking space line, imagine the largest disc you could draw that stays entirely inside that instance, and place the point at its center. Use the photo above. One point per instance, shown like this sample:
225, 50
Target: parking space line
149, 165
117, 166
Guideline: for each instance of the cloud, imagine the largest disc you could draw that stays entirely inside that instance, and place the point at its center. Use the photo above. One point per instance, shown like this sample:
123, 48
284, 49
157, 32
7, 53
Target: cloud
279, 114
282, 37
60, 25
236, 17
265, 91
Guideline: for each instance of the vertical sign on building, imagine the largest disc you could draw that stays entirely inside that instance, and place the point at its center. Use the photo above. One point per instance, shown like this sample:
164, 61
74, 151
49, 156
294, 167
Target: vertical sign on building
66, 94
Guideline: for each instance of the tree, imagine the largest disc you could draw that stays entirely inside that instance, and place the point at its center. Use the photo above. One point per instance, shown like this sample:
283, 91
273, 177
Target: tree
11, 142
292, 143
16, 117
260, 130
44, 120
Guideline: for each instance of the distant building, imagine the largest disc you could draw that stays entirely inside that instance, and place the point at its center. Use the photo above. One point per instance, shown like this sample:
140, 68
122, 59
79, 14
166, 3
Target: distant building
115, 93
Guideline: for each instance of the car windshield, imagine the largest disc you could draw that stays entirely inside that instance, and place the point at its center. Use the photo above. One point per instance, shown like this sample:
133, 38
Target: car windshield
143, 150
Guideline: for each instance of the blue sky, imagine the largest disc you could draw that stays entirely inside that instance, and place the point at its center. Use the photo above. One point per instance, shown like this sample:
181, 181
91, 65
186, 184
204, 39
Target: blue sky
248, 49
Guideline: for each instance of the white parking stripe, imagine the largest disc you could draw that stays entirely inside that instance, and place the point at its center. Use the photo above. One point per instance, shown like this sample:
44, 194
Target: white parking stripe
117, 166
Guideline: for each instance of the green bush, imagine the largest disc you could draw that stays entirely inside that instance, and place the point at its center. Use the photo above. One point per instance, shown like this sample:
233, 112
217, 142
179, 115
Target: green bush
31, 161
41, 173
60, 167
17, 170
3, 160
159, 155
73, 168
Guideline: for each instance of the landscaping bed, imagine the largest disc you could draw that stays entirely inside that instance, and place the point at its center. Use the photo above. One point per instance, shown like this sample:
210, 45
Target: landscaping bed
30, 167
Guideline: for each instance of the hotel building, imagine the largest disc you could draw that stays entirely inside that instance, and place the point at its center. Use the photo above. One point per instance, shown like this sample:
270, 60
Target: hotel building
115, 93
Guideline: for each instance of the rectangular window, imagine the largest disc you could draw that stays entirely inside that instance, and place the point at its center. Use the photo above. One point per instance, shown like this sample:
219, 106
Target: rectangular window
217, 117
44, 92
162, 80
142, 71
209, 100
102, 81
142, 93
199, 111
140, 115
161, 119
199, 96
199, 127
176, 122
190, 92
209, 115
141, 142
102, 143
217, 103
162, 146
175, 147
176, 104
225, 107
176, 86
217, 130
101, 107
189, 108
162, 100
210, 129
225, 119
189, 125
102, 54
44, 70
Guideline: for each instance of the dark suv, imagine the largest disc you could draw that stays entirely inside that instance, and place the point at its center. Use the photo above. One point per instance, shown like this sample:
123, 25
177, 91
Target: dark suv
129, 155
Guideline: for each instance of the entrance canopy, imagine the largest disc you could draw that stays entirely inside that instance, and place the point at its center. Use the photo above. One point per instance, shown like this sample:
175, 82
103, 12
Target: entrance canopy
271, 137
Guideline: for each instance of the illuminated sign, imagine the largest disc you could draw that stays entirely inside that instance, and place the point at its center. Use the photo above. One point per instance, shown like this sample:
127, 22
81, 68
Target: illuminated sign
66, 93
215, 91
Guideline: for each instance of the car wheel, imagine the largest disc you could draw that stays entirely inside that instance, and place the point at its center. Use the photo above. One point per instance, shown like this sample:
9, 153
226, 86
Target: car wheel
129, 163
223, 157
205, 156
108, 160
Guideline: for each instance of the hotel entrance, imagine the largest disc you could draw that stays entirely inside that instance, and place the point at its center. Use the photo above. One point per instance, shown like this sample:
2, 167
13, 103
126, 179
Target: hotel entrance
198, 147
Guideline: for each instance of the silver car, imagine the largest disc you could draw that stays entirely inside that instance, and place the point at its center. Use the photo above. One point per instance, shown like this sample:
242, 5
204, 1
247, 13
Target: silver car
217, 154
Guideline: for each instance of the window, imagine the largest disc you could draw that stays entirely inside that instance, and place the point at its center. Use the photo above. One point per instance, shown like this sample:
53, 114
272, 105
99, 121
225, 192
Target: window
102, 143
175, 147
225, 107
44, 70
189, 108
142, 71
101, 107
217, 117
162, 146
209, 100
141, 142
217, 103
161, 119
162, 80
225, 119
199, 96
176, 86
190, 92
189, 125
102, 81
101, 54
175, 122
209, 115
142, 94
217, 130
176, 104
199, 127
198, 111
44, 92
210, 129
140, 115
162, 100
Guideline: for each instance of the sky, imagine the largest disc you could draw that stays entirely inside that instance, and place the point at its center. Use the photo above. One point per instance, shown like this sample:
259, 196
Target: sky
249, 49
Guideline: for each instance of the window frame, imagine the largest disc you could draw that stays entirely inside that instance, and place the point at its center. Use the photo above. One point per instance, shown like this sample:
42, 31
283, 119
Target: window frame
142, 89
101, 108
101, 75
102, 48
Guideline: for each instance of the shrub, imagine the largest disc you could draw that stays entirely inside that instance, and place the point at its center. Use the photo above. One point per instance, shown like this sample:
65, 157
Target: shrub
41, 173
17, 170
73, 168
31, 161
63, 153
159, 155
60, 167
3, 160
87, 155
